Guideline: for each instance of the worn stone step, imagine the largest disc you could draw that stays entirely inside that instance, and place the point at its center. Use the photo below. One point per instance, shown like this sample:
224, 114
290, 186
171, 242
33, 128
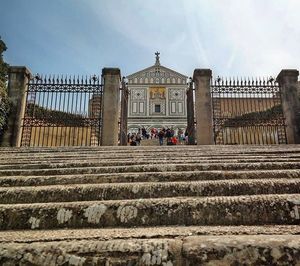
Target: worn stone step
138, 161
241, 250
9, 181
29, 236
119, 191
103, 253
194, 250
128, 157
237, 210
163, 167
70, 151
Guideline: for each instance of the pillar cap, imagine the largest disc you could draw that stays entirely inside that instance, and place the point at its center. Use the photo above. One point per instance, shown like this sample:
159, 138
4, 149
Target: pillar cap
111, 71
202, 72
20, 69
287, 73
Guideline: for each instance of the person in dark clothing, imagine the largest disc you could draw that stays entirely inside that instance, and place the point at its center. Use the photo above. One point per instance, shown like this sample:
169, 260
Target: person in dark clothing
169, 136
161, 135
133, 140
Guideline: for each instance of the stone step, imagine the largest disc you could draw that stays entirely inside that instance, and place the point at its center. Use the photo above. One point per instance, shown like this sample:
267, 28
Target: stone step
121, 191
194, 250
234, 210
9, 181
30, 236
138, 161
181, 155
130, 160
69, 151
162, 167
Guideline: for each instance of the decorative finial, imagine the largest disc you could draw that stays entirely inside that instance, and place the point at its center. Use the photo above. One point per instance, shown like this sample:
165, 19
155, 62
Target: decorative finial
157, 63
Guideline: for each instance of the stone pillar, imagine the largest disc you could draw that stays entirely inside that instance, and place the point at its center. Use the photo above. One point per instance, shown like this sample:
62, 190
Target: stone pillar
288, 82
203, 103
18, 78
190, 113
111, 106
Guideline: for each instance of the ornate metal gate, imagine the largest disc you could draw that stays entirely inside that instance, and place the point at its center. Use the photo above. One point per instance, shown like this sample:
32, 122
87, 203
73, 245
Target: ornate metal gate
247, 112
63, 111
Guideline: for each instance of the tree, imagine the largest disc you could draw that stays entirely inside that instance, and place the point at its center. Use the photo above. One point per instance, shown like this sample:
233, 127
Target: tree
4, 103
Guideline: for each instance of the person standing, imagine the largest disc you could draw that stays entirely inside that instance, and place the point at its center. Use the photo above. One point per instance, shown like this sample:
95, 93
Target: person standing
161, 135
169, 136
133, 139
138, 139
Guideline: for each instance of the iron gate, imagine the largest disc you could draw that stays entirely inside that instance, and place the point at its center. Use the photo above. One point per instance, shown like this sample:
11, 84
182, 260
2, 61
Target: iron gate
247, 112
123, 113
63, 111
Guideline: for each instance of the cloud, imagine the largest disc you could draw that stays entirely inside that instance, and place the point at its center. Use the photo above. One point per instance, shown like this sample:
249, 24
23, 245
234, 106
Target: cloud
245, 37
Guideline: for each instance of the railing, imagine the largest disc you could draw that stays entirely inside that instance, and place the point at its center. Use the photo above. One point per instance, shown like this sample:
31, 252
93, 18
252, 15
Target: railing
63, 111
247, 111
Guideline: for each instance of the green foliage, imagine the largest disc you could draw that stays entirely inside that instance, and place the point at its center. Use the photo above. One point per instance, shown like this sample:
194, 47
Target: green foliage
54, 117
4, 103
255, 117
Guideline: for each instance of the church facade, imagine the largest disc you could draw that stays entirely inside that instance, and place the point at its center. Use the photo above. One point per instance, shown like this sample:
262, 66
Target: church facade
157, 98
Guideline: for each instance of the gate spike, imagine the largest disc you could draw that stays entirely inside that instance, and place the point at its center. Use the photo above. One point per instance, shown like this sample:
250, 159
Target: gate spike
77, 79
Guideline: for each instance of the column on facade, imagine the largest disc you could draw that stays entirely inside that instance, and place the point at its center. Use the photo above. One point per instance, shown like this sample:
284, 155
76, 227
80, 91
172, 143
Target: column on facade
167, 113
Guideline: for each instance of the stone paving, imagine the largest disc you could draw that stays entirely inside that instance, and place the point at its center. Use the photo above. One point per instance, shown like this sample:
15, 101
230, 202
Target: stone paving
183, 205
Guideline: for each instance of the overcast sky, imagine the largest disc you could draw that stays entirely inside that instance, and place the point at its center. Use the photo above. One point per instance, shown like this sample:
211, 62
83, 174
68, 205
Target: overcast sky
232, 37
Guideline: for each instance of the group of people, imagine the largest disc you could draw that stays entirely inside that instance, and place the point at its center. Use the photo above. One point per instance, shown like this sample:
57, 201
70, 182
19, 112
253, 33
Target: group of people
171, 138
134, 139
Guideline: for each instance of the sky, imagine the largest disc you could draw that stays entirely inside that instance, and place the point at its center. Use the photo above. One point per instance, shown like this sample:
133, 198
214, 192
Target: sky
231, 37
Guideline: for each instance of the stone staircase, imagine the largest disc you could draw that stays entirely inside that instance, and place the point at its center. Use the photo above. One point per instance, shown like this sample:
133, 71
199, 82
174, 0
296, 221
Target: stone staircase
151, 142
169, 205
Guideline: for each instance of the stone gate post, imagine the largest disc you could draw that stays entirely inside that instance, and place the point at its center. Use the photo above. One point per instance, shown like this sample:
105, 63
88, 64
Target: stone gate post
111, 106
203, 104
18, 78
288, 81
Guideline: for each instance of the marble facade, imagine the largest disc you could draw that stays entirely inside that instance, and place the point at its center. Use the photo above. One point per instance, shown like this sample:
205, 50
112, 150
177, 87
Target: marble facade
157, 98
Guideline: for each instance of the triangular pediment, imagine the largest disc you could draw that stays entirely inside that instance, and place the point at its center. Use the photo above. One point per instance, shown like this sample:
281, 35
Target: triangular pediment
157, 74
